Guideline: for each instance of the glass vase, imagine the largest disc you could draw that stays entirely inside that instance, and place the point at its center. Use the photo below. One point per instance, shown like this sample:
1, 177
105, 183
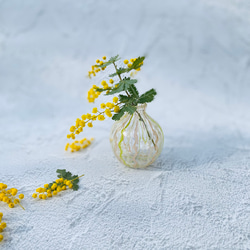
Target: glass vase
137, 140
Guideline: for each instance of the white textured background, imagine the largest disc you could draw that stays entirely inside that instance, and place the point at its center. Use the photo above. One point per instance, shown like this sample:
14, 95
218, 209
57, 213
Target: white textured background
197, 194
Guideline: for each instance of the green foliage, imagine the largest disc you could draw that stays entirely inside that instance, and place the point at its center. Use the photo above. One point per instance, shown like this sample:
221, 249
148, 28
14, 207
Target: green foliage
124, 98
118, 116
123, 85
114, 59
133, 91
62, 173
147, 96
127, 81
137, 63
130, 109
126, 108
133, 100
126, 84
101, 90
117, 89
119, 72
110, 61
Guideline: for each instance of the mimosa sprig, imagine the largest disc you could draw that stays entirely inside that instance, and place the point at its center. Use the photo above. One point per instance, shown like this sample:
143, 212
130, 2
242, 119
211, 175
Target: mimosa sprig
65, 180
122, 85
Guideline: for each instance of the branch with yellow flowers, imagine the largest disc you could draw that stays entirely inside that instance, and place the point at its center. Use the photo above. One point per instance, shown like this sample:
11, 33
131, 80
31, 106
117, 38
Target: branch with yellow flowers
119, 81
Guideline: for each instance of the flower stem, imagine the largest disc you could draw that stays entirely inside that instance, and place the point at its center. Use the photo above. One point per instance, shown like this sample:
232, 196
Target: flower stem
21, 206
146, 128
117, 71
78, 177
119, 75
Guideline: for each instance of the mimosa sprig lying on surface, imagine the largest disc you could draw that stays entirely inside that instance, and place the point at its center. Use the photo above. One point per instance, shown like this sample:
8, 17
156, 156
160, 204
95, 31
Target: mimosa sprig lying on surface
65, 181
10, 196
3, 225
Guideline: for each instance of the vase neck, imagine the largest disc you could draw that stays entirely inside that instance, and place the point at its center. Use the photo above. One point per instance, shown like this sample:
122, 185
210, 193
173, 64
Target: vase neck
141, 107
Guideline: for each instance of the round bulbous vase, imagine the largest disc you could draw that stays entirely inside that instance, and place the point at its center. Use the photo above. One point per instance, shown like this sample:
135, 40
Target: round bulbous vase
137, 140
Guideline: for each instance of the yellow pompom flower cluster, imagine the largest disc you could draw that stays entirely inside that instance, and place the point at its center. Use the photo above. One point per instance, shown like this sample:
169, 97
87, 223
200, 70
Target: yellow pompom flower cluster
78, 145
52, 189
93, 94
106, 109
3, 225
95, 69
9, 196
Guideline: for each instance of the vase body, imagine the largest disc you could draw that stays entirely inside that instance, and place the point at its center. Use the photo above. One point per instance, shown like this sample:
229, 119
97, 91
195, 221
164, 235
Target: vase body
137, 140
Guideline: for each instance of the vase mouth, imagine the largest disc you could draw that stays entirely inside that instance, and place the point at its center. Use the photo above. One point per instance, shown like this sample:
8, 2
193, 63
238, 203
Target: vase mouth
141, 107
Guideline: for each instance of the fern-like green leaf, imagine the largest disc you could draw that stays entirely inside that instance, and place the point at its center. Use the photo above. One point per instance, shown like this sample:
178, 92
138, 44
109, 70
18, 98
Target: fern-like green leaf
118, 89
114, 59
119, 72
123, 85
118, 116
130, 109
124, 98
133, 91
147, 96
137, 63
128, 81
101, 90
110, 61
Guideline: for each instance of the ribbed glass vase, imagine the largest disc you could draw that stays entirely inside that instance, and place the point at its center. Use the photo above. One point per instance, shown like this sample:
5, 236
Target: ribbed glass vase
137, 140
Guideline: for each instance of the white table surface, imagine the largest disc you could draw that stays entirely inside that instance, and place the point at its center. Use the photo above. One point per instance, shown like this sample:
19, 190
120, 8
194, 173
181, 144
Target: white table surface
197, 194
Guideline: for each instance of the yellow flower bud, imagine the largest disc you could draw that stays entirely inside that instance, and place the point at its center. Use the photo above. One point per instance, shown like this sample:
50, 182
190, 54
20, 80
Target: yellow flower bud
115, 99
101, 117
94, 110
21, 196
116, 109
103, 83
72, 128
108, 113
16, 201
11, 205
